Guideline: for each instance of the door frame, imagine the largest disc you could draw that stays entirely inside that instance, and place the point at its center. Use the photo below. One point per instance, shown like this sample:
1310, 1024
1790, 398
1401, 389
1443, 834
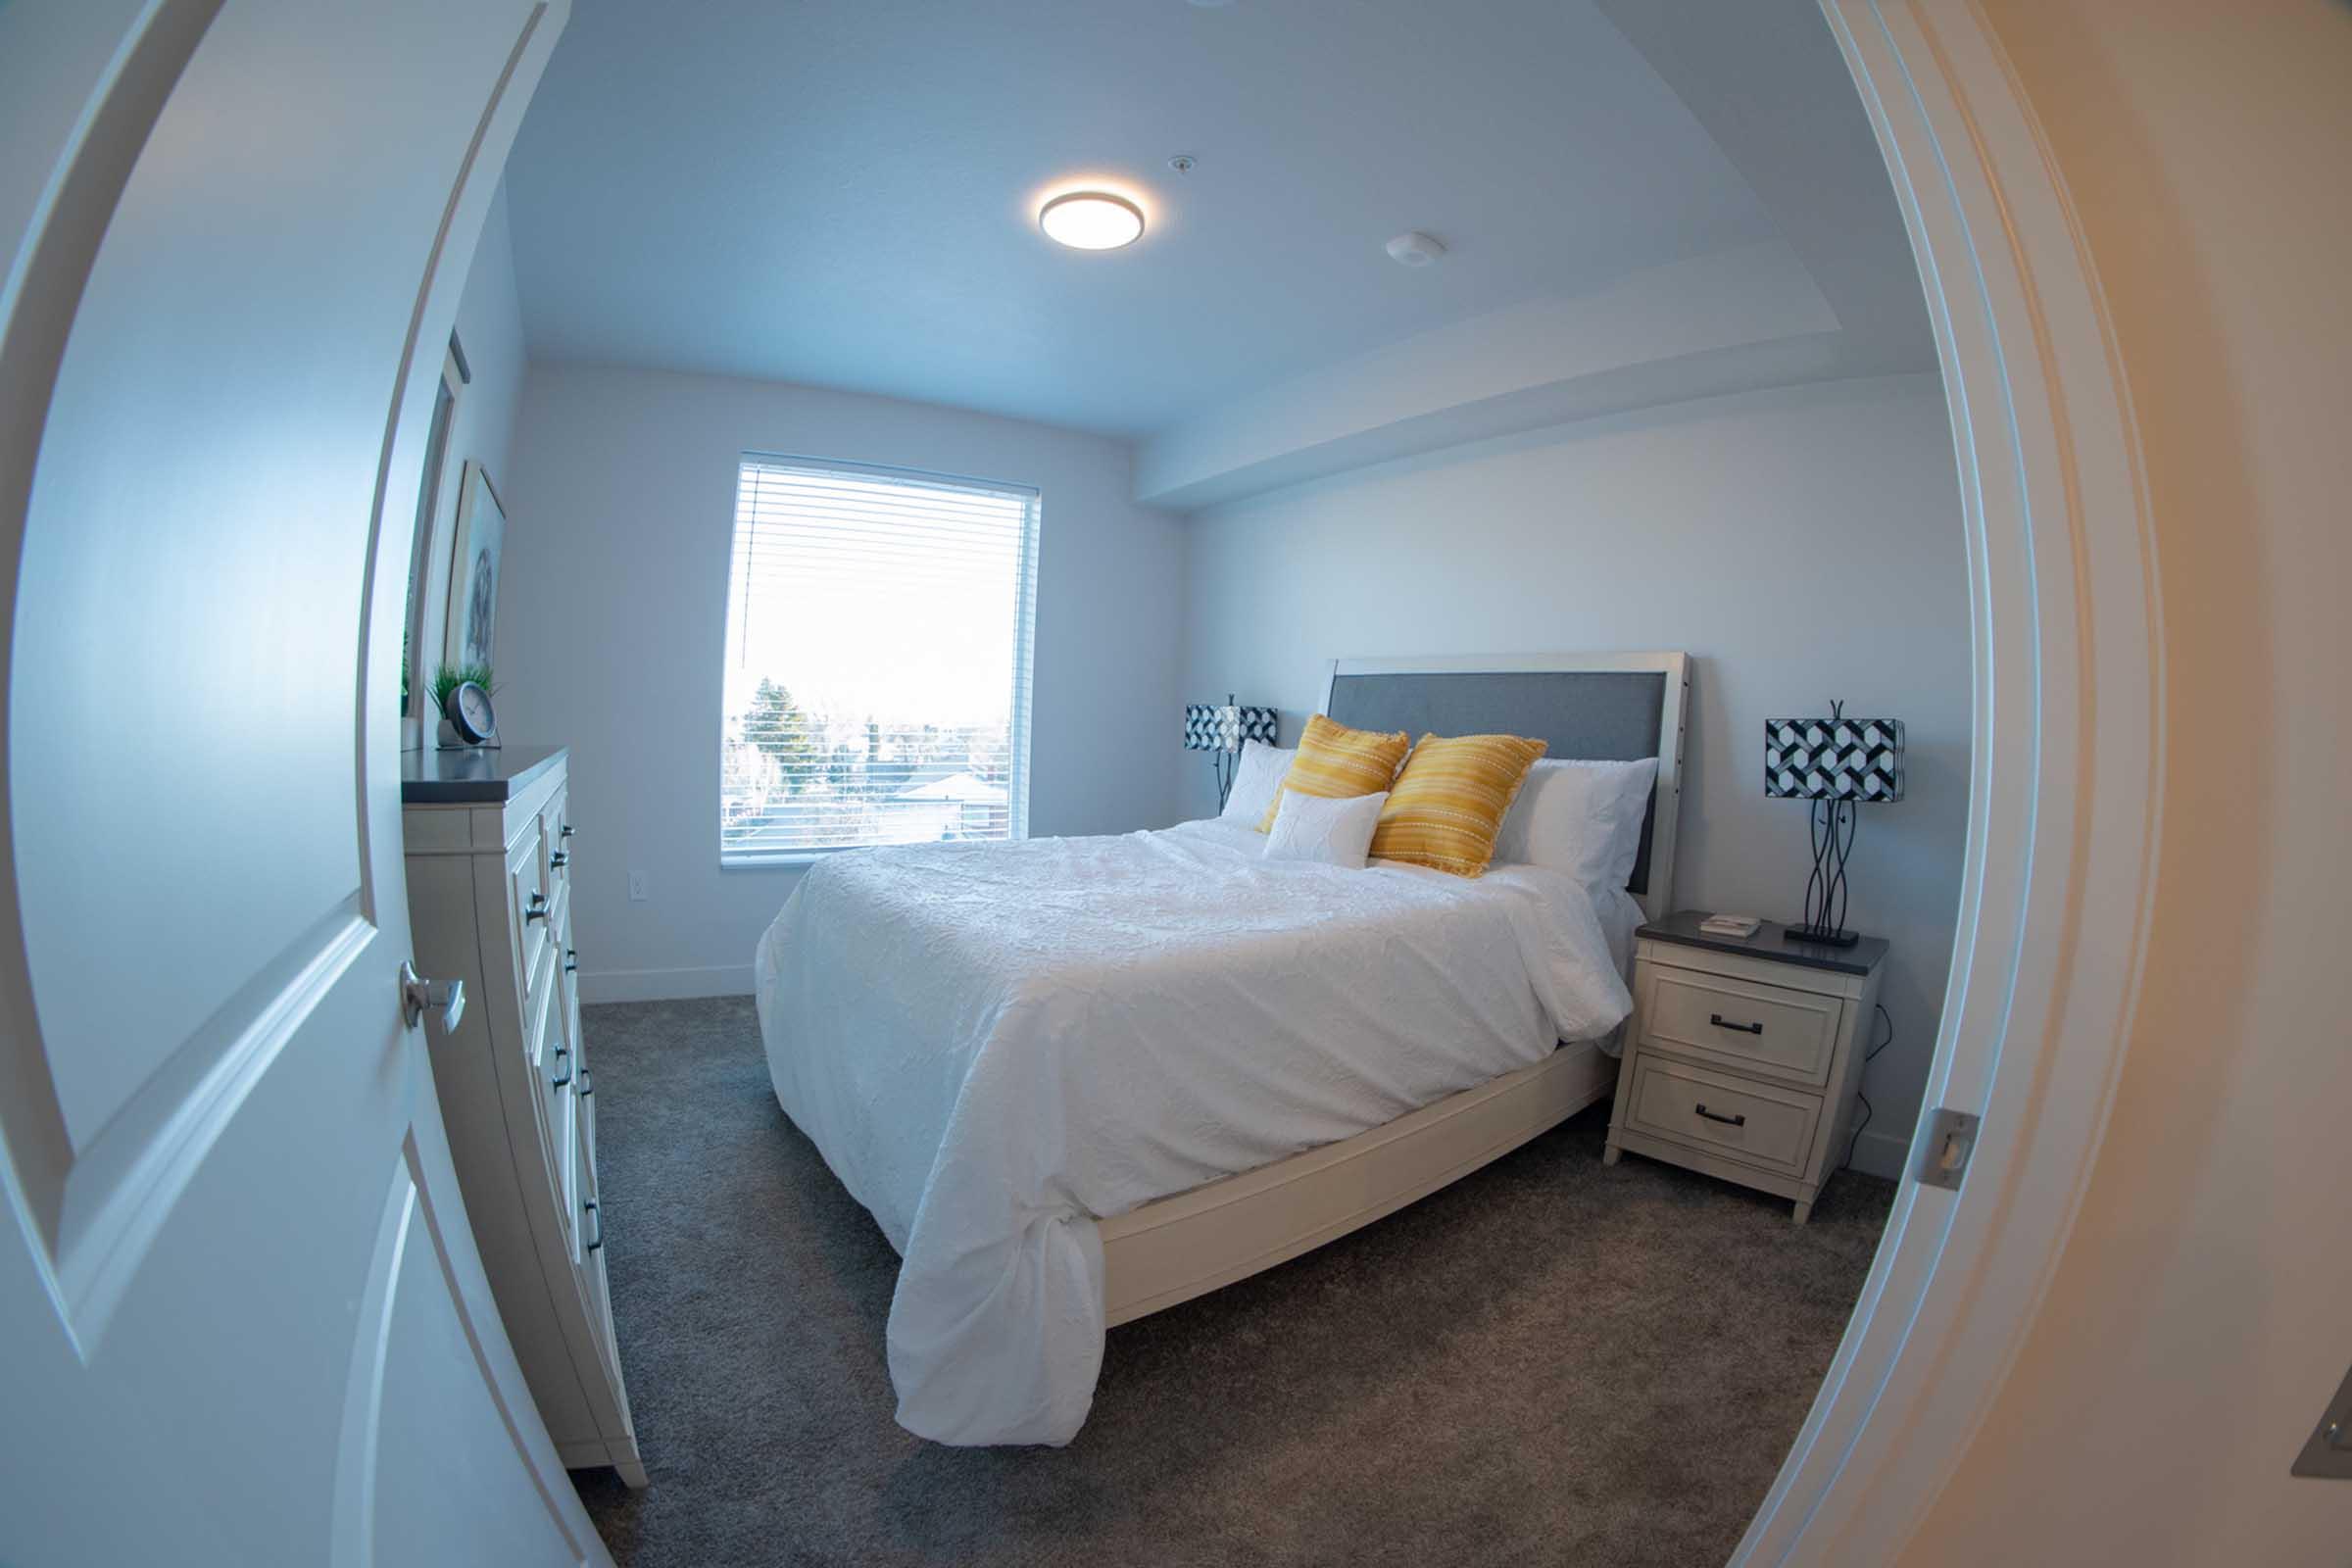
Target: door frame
2065, 786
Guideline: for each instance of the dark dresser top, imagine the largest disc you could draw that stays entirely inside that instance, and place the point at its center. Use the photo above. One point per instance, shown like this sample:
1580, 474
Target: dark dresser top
1682, 927
474, 776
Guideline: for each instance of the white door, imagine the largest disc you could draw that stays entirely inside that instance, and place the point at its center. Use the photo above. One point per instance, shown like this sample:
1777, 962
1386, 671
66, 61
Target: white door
242, 1319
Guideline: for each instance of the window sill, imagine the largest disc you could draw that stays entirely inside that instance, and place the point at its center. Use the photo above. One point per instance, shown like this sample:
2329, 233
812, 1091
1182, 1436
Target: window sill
801, 859
781, 860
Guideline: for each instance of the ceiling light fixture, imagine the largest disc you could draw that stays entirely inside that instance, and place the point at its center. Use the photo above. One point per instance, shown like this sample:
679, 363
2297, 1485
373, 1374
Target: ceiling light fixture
1415, 249
1092, 220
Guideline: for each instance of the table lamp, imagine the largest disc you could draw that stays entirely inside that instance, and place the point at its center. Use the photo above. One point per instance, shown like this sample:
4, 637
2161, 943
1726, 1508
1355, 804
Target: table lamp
1219, 729
1836, 764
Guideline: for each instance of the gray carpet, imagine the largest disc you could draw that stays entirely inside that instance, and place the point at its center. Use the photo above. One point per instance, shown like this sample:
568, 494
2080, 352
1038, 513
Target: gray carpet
1548, 1362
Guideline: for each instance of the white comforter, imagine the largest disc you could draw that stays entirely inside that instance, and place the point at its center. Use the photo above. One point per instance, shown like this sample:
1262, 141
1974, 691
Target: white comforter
996, 1044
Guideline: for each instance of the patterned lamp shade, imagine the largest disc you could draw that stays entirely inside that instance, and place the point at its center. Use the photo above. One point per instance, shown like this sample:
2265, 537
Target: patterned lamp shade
1833, 758
1223, 727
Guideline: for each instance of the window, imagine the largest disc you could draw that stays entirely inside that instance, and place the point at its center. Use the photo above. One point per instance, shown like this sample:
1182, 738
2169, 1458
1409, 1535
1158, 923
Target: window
877, 680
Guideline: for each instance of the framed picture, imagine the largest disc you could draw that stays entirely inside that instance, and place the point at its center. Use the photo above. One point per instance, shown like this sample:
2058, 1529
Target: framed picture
473, 566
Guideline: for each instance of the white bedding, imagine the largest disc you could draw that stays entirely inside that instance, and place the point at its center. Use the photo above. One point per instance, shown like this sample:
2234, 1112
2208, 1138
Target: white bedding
996, 1044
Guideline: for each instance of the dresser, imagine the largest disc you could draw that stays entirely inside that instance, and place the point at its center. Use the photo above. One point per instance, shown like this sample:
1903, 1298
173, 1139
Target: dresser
1744, 1056
489, 846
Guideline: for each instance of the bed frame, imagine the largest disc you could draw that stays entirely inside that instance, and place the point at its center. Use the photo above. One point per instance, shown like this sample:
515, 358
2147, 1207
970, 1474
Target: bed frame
1605, 707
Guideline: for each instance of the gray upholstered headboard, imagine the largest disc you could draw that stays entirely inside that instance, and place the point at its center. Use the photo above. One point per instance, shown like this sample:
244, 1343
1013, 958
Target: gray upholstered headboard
1601, 706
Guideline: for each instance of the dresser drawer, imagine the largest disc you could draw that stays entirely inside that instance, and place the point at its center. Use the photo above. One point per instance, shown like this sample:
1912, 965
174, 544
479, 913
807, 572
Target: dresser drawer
569, 1173
550, 1086
554, 835
531, 909
1750, 1122
1768, 1031
568, 1021
595, 1291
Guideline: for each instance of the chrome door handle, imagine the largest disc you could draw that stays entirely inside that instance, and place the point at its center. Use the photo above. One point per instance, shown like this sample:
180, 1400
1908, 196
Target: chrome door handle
417, 994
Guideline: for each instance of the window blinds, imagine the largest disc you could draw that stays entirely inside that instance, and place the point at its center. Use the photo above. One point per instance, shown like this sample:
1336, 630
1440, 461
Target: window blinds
877, 679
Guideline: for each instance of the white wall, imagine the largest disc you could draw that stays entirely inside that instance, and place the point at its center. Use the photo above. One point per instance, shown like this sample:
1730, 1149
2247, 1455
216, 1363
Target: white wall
482, 425
2196, 1324
613, 618
1801, 545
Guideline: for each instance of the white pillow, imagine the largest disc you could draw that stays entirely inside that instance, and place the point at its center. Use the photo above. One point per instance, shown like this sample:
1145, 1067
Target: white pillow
1580, 818
1255, 781
1333, 832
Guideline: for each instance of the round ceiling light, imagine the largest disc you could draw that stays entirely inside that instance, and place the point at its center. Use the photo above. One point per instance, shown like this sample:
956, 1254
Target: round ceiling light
1092, 220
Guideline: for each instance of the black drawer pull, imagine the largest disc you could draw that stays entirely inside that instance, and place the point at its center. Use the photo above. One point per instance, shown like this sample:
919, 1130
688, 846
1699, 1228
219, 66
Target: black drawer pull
587, 1083
558, 861
565, 831
537, 909
590, 1208
571, 961
1727, 1121
1721, 1022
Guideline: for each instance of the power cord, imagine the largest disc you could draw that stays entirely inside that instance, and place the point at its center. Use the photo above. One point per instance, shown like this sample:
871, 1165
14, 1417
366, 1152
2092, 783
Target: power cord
1868, 1057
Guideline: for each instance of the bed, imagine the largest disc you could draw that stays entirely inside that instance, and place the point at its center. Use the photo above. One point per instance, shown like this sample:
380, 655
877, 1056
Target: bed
1081, 1080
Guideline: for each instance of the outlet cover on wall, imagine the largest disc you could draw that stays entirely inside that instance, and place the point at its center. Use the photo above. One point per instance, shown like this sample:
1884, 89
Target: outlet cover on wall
636, 887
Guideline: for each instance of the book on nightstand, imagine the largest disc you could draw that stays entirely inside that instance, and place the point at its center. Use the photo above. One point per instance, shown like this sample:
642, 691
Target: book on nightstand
1730, 925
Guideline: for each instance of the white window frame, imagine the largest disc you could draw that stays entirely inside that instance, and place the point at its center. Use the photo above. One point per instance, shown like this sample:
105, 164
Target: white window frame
1024, 655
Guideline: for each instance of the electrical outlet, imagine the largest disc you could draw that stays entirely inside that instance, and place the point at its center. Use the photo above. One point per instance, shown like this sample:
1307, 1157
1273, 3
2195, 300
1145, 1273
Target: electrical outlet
636, 887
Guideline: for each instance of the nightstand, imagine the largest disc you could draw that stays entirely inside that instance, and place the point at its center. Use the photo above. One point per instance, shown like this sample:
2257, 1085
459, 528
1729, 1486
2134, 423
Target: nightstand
1743, 1057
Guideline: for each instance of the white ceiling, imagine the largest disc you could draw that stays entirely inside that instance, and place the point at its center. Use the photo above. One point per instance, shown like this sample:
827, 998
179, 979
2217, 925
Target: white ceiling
841, 193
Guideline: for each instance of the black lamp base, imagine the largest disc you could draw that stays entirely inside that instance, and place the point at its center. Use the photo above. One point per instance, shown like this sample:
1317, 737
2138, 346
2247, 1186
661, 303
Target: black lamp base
1824, 923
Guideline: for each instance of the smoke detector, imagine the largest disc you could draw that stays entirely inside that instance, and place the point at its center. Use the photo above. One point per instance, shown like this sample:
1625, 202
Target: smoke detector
1415, 249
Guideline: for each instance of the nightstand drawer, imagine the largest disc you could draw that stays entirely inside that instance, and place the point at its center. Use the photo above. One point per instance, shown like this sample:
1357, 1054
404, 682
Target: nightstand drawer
1753, 1123
1740, 1024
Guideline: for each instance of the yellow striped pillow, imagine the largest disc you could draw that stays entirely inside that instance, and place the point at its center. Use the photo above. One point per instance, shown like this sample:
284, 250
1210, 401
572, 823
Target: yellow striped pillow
1334, 763
1445, 809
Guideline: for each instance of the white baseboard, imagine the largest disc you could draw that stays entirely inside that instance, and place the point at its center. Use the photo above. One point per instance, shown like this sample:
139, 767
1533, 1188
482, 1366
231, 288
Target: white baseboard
665, 985
1882, 1153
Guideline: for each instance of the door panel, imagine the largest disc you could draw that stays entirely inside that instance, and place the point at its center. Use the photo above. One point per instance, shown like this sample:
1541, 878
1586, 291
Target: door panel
241, 1314
448, 1473
216, 415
